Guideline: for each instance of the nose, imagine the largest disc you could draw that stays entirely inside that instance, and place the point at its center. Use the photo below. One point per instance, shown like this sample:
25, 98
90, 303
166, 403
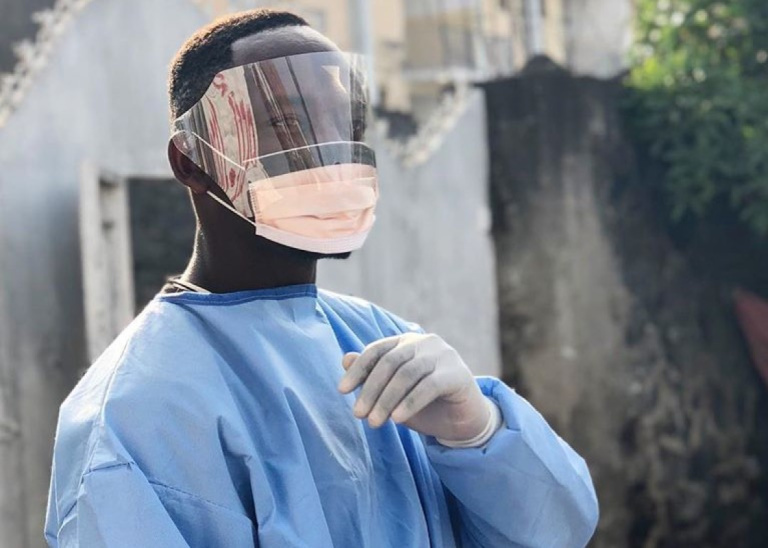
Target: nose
331, 132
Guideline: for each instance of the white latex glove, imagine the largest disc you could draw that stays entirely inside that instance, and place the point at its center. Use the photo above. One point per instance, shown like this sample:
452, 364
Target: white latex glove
422, 382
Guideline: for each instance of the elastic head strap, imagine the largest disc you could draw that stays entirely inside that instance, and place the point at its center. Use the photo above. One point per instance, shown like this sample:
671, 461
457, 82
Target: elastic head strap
229, 207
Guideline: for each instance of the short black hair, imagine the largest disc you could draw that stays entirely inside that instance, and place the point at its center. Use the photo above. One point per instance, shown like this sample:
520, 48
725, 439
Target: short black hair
209, 51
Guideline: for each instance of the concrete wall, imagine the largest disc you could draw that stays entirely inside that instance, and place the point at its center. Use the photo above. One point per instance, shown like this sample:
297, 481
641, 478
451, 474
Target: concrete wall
563, 305
101, 98
626, 345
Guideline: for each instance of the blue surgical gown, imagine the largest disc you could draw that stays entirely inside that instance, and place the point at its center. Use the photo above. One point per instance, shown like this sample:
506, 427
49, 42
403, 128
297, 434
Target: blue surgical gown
214, 420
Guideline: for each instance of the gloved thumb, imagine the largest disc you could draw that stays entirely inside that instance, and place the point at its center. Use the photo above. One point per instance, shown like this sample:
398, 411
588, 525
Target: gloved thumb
348, 359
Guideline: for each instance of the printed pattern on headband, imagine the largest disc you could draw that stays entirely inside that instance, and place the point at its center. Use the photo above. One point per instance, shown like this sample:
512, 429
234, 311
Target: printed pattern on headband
232, 131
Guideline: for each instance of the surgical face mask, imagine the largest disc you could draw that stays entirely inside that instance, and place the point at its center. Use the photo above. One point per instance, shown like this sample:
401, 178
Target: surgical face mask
283, 139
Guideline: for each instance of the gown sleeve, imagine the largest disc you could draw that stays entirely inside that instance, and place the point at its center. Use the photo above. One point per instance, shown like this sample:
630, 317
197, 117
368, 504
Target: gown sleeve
526, 487
118, 506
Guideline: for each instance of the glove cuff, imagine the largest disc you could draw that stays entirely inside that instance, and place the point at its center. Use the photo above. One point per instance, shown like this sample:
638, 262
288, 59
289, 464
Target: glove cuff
494, 424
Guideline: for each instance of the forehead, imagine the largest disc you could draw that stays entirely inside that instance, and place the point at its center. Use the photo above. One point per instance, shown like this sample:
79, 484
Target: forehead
279, 42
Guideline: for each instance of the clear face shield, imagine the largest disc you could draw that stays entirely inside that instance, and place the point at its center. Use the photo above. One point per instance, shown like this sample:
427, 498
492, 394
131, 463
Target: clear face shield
283, 138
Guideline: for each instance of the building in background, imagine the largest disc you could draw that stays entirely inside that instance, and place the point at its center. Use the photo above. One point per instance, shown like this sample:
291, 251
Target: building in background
451, 43
422, 48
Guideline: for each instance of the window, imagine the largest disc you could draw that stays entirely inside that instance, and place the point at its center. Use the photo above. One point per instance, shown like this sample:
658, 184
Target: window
134, 233
162, 225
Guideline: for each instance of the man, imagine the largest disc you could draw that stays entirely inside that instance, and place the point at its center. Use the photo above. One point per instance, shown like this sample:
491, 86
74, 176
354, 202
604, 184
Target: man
229, 412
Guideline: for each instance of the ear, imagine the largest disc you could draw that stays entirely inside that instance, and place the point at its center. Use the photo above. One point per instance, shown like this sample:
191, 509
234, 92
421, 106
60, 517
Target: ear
186, 171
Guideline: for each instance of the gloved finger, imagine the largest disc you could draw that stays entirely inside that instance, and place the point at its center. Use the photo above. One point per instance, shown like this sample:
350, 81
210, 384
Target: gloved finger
362, 366
348, 359
425, 392
403, 382
380, 376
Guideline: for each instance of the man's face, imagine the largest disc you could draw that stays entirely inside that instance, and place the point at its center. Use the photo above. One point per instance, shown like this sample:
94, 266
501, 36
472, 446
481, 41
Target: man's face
307, 104
323, 105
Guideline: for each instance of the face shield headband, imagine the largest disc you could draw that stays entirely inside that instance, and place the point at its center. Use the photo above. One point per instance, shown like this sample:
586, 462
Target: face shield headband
283, 138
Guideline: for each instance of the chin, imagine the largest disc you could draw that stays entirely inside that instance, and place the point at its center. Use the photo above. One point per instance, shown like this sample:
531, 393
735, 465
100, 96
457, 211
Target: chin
274, 247
311, 255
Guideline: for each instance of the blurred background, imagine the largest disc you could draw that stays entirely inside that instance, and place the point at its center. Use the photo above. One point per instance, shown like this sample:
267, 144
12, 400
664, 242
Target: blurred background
574, 194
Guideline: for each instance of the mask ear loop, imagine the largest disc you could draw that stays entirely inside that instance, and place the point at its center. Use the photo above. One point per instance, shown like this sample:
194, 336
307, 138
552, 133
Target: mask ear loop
186, 148
232, 209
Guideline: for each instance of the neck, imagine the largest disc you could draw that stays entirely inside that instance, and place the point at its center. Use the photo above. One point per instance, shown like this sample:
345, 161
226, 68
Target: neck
244, 263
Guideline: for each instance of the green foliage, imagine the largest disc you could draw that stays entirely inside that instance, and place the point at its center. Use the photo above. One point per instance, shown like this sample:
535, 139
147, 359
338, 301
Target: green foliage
698, 103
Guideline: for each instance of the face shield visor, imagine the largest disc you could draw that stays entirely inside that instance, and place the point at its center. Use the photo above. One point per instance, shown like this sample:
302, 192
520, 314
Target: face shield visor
283, 138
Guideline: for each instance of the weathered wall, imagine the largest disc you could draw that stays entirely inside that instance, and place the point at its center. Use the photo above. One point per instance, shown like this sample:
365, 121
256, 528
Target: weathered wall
632, 355
430, 256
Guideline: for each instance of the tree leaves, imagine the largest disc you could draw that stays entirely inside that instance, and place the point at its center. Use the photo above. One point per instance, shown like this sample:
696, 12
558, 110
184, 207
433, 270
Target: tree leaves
698, 103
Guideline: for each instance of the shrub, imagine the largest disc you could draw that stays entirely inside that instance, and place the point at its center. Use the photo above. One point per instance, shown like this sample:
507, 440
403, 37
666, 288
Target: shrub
698, 103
